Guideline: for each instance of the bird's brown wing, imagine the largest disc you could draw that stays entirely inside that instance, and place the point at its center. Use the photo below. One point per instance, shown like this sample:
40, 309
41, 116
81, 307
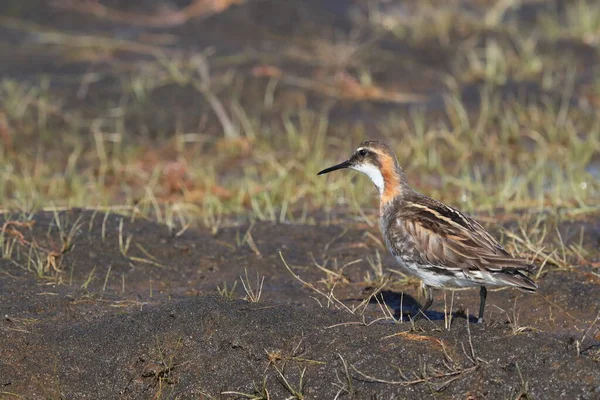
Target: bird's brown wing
446, 237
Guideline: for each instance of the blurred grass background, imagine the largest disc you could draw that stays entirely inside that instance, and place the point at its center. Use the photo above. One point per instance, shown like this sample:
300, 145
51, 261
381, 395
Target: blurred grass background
204, 111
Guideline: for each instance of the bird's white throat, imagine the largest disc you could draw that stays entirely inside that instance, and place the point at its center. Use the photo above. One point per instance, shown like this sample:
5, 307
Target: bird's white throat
372, 172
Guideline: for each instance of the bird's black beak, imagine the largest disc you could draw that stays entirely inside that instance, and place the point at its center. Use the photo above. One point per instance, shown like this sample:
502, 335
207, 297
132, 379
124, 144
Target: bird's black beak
345, 164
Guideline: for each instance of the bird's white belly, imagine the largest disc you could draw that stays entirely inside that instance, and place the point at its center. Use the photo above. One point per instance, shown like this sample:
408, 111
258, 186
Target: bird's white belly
451, 279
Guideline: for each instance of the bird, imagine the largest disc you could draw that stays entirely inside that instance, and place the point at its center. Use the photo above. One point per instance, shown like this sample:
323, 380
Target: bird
437, 243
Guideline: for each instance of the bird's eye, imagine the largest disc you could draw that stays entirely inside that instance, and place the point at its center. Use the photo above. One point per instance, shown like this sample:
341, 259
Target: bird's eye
362, 152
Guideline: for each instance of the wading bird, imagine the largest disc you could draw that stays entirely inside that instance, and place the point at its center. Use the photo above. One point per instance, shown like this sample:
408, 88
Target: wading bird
437, 243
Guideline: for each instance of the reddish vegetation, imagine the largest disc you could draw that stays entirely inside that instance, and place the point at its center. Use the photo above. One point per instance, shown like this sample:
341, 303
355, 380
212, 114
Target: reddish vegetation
166, 17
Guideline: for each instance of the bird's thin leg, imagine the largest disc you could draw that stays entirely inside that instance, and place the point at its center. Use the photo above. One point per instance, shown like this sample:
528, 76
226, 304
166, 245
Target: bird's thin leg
482, 296
428, 302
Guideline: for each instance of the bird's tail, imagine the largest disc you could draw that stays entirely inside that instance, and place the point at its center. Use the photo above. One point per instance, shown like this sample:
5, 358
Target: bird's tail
519, 280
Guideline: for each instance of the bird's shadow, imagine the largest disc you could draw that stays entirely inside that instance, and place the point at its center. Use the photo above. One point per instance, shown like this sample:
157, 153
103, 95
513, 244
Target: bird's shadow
406, 307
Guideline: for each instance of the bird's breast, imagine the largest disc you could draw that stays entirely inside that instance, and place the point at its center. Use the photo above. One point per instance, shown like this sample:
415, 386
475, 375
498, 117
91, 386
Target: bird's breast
396, 239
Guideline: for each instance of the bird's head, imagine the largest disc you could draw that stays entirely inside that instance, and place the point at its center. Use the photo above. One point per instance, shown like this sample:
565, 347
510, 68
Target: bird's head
375, 159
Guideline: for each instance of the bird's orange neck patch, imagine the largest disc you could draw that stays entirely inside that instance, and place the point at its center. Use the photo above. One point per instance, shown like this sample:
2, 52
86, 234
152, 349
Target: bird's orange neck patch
392, 185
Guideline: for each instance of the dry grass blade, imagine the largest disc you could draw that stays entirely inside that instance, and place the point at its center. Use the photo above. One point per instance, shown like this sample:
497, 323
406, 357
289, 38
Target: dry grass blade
296, 392
253, 294
409, 382
580, 342
345, 385
225, 291
167, 18
330, 297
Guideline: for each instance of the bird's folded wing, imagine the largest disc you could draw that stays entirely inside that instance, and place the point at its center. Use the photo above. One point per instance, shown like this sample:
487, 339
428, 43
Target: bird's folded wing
444, 236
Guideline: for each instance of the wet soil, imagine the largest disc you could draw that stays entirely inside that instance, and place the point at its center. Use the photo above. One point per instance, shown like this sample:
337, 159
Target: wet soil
149, 322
